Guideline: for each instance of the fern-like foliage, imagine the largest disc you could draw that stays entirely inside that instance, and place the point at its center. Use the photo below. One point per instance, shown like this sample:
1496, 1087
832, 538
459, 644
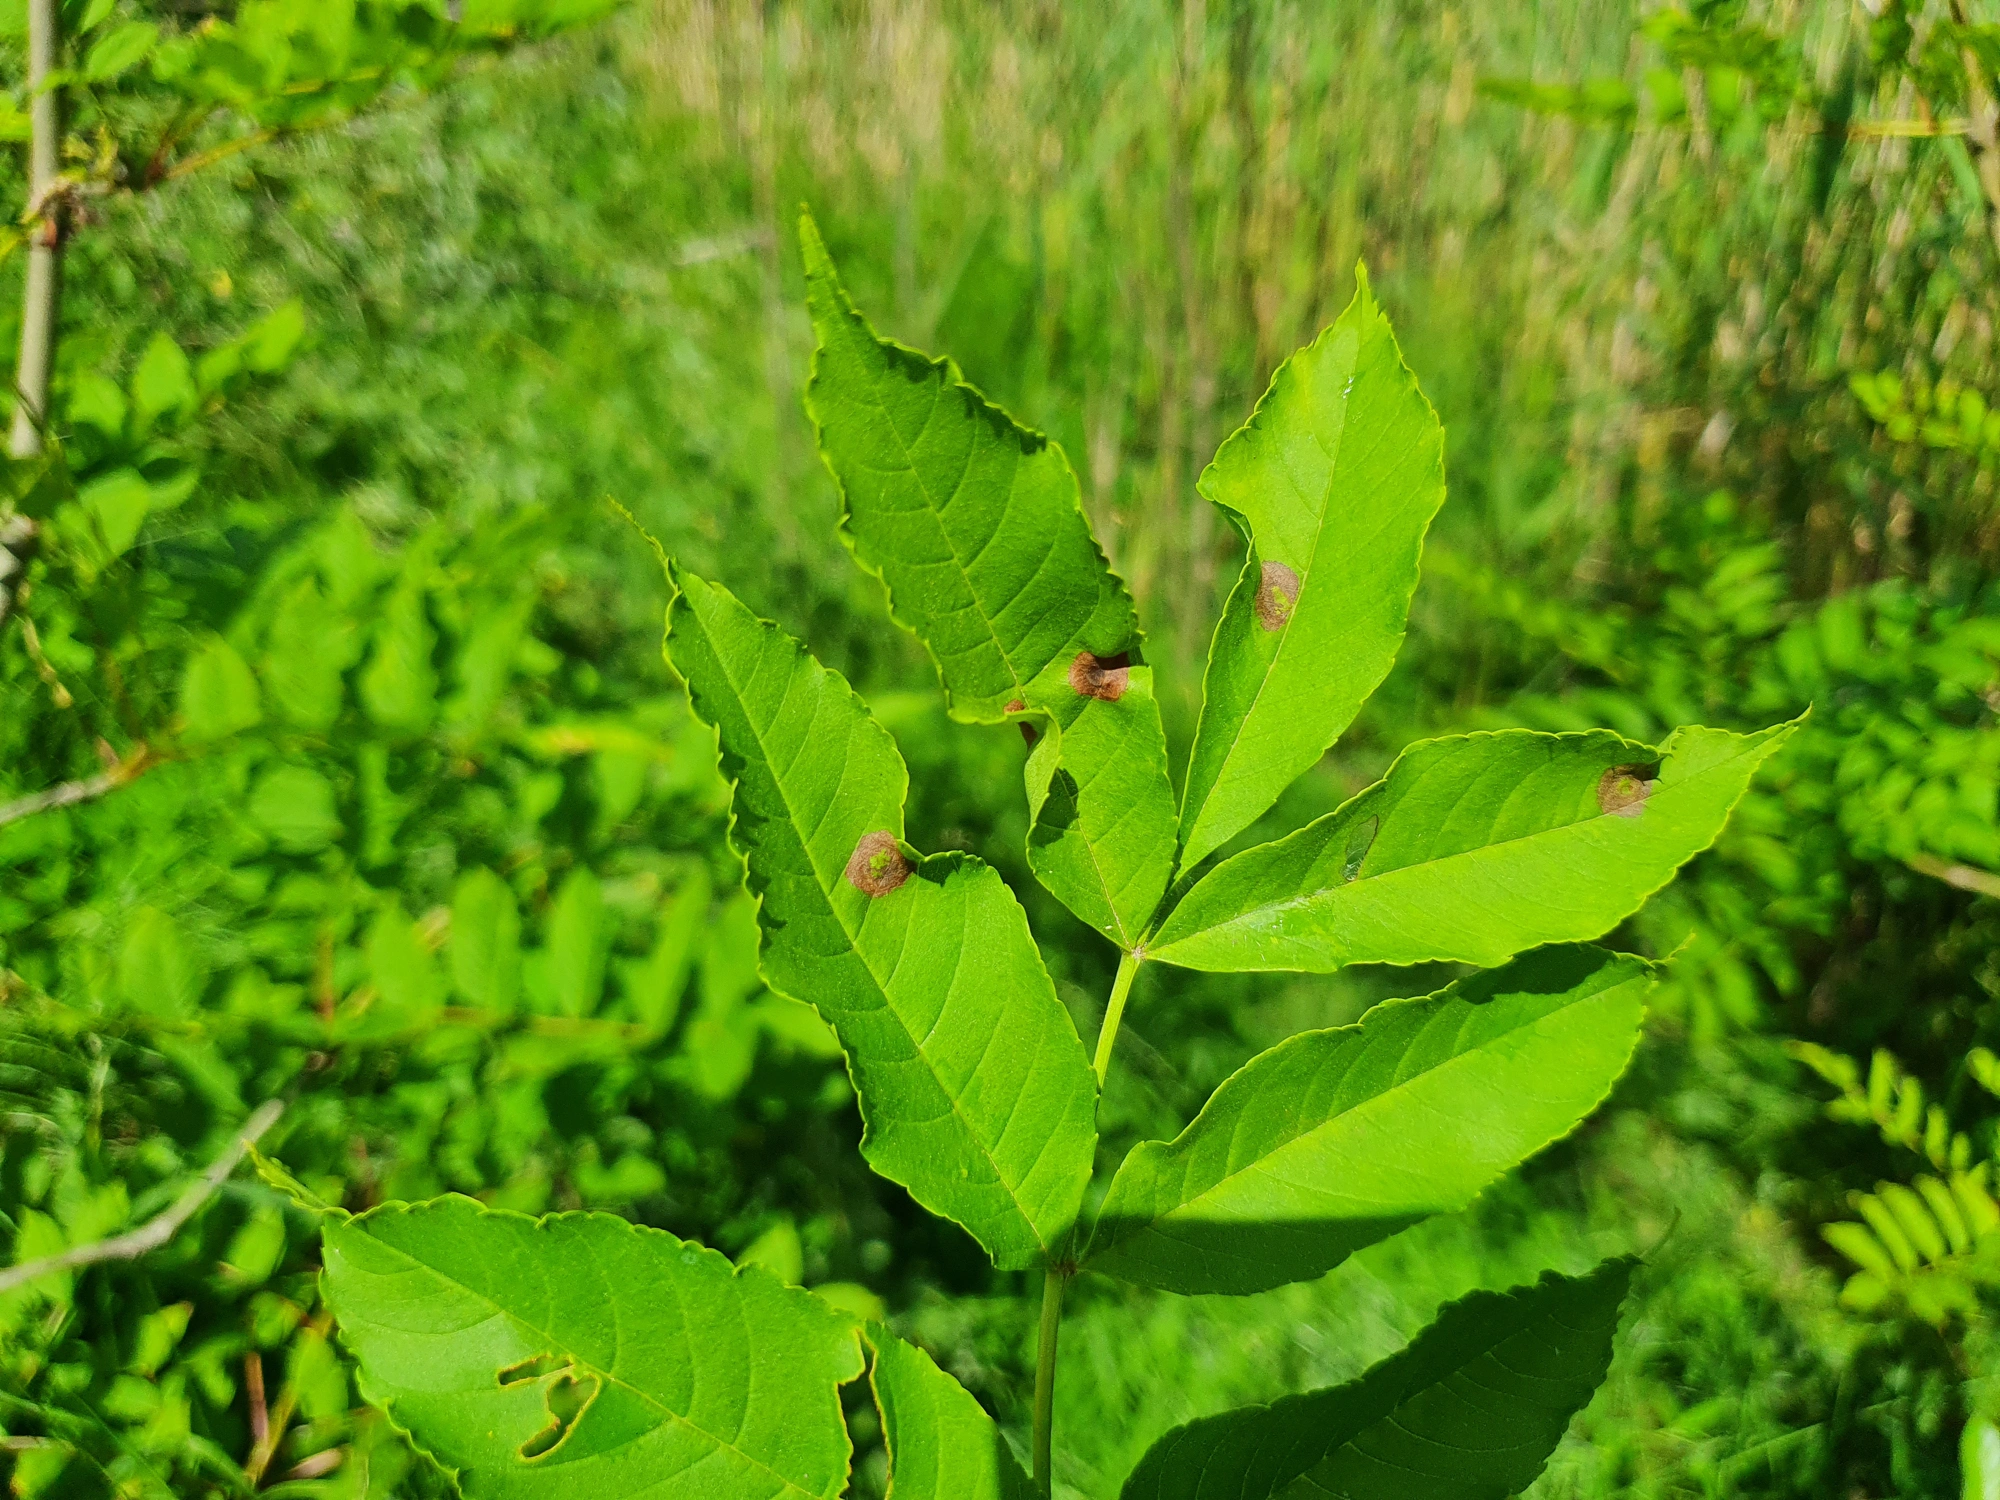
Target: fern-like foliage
1929, 1248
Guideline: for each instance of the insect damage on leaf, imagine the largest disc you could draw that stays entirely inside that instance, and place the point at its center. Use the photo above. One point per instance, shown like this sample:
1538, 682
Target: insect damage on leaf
534, 1367
1277, 596
1018, 706
878, 866
1622, 790
1104, 677
568, 1399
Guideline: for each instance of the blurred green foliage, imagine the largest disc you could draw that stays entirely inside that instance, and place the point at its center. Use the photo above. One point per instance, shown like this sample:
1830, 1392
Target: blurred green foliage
408, 827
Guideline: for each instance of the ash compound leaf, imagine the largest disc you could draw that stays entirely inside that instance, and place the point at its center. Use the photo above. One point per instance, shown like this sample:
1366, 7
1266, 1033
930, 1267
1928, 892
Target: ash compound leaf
1472, 848
976, 528
1333, 482
942, 1444
1335, 1139
974, 1087
582, 1355
1470, 1410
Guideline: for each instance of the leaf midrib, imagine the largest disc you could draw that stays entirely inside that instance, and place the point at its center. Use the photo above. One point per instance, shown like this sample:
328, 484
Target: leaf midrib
557, 1344
1366, 1108
881, 986
1307, 898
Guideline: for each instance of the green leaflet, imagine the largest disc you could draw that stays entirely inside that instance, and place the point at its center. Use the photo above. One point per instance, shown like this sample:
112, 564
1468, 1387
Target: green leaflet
1470, 1410
626, 1361
1333, 1140
1333, 481
1472, 848
942, 1444
976, 1091
976, 529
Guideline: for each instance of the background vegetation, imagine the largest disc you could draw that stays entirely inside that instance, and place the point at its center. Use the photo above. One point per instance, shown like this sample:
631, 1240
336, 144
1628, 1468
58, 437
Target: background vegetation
411, 829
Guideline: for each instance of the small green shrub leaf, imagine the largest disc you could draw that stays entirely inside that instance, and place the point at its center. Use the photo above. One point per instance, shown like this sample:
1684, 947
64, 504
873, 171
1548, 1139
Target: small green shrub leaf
974, 1088
485, 941
1333, 481
942, 1444
1472, 848
1335, 1139
1470, 1410
975, 526
119, 49
582, 1355
218, 693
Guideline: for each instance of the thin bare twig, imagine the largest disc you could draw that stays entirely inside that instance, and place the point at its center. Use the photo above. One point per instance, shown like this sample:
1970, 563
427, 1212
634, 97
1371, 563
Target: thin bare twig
162, 1227
17, 546
42, 292
70, 793
260, 1415
280, 1416
1963, 877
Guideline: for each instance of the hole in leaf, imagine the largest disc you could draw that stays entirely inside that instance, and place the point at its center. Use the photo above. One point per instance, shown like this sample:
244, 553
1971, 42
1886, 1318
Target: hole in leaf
1360, 839
568, 1399
1104, 677
1277, 594
877, 866
1027, 730
535, 1367
1622, 790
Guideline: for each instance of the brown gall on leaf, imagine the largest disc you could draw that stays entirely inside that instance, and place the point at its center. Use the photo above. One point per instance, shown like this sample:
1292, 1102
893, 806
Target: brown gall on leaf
1622, 790
877, 866
1027, 730
1104, 677
1277, 596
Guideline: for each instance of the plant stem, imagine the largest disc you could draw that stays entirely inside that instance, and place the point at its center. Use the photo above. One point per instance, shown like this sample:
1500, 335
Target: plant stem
163, 1226
1114, 1011
38, 311
1045, 1376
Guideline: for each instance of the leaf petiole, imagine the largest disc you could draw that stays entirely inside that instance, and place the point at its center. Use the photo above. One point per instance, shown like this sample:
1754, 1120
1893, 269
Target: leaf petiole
1045, 1373
1114, 1011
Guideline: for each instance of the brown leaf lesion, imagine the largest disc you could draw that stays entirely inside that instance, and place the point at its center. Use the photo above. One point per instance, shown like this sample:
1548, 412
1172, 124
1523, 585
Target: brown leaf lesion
1277, 596
1622, 790
1102, 677
877, 865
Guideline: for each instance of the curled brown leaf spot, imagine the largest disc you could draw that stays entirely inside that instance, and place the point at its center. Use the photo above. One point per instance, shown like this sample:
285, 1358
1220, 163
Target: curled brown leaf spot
877, 866
1622, 790
1277, 595
1104, 677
